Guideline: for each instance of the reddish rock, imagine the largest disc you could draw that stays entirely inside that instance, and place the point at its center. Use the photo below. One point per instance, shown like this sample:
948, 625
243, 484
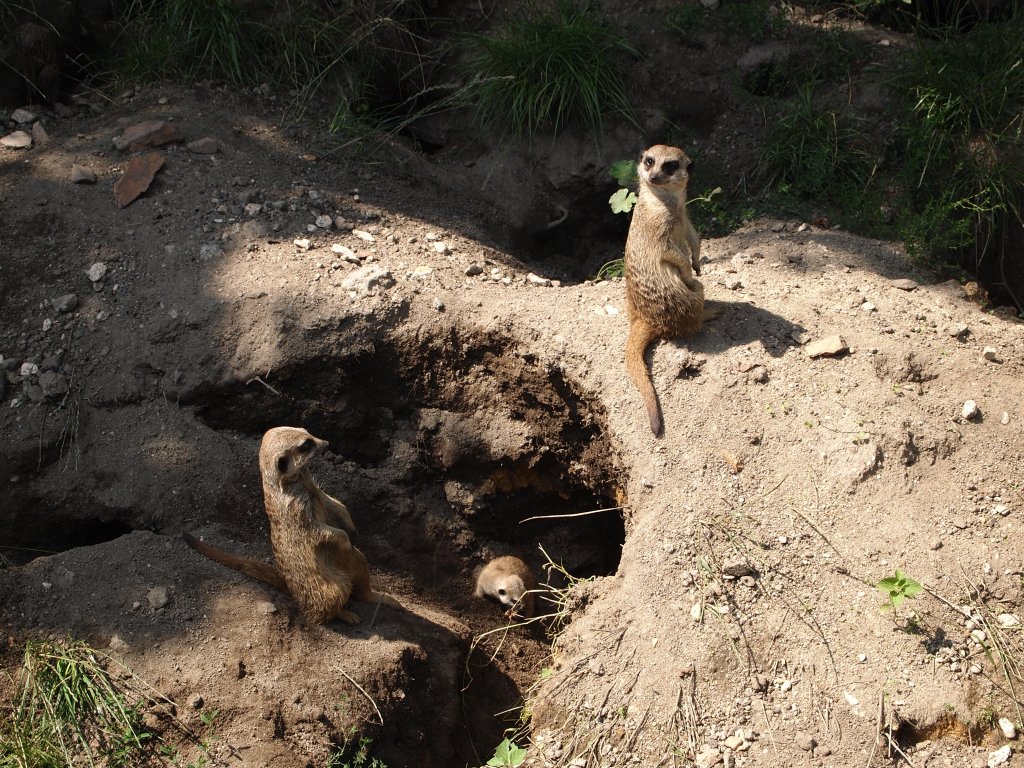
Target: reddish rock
830, 346
152, 133
137, 177
204, 146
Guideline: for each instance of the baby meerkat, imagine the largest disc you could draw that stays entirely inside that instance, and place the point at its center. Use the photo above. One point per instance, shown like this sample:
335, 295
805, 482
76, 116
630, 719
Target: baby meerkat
309, 532
663, 297
509, 581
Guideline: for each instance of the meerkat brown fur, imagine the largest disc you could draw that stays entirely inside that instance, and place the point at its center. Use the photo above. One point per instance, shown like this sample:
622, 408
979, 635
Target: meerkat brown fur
510, 581
664, 299
309, 531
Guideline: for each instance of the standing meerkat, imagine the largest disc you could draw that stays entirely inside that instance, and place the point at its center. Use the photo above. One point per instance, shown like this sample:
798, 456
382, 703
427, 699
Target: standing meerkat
309, 532
510, 581
664, 299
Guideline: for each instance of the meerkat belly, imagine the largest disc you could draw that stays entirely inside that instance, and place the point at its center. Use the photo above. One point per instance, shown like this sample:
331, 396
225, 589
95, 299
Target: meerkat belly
666, 298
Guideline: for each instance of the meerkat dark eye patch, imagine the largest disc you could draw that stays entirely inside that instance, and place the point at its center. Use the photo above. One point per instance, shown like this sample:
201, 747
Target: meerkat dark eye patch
670, 167
282, 464
689, 166
648, 161
306, 445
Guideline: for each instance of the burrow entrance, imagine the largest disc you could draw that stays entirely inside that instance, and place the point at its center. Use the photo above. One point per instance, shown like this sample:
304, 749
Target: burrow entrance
444, 443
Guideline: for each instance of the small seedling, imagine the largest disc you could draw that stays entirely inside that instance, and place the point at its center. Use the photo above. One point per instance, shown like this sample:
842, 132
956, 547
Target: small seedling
508, 755
898, 588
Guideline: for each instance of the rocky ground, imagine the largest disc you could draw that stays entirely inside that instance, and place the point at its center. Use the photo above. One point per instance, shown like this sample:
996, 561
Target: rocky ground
846, 417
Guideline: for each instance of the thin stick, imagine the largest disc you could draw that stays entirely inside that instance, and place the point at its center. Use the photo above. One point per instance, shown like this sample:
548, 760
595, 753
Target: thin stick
375, 609
368, 698
574, 514
261, 381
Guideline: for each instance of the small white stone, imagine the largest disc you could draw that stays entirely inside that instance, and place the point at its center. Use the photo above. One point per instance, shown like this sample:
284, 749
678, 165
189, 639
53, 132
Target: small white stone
1007, 620
537, 280
991, 354
324, 221
1008, 728
441, 247
978, 635
611, 310
696, 611
97, 271
28, 369
301, 243
363, 235
422, 271
999, 757
970, 410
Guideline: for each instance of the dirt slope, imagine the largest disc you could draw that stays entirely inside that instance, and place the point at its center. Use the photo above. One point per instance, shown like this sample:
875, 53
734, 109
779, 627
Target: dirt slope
728, 615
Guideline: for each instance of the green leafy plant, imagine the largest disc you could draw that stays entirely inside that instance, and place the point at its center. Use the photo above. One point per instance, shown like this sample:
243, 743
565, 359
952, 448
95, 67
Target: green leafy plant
360, 757
507, 754
898, 588
550, 67
624, 172
814, 151
961, 131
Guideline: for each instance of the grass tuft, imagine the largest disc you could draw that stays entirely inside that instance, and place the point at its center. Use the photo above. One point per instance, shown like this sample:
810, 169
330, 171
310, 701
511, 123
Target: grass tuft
72, 710
551, 68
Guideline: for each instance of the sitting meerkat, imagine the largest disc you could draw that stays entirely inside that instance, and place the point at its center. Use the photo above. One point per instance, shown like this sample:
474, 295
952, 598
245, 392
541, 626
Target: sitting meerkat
509, 581
309, 532
664, 298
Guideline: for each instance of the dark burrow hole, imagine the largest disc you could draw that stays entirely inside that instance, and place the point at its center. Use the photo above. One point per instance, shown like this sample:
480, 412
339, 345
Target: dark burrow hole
27, 539
444, 444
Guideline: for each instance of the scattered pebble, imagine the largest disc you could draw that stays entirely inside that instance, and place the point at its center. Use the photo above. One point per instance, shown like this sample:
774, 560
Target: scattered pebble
16, 140
805, 741
66, 303
82, 175
422, 271
23, 116
364, 235
441, 248
302, 243
991, 354
266, 607
1008, 728
830, 346
157, 597
97, 271
537, 280
324, 222
367, 278
999, 757
904, 284
203, 146
473, 270
970, 410
196, 701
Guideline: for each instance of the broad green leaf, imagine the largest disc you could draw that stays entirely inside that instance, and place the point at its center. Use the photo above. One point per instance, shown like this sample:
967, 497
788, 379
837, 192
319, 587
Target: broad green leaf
624, 172
622, 201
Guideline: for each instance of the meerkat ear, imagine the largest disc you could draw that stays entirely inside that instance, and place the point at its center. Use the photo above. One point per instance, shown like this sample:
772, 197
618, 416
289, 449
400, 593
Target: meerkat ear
282, 464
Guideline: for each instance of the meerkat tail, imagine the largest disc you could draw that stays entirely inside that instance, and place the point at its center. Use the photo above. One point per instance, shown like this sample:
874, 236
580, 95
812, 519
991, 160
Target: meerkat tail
254, 568
640, 336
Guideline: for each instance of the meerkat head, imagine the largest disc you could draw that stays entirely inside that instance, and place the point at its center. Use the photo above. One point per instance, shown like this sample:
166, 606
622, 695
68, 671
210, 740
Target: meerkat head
664, 167
510, 590
286, 451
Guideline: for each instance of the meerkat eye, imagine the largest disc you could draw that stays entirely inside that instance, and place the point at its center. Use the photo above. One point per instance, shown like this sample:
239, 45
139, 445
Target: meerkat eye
306, 445
502, 592
282, 464
689, 166
670, 167
648, 161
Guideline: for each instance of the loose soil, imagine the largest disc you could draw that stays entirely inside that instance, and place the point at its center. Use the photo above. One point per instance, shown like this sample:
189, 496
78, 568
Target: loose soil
721, 607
